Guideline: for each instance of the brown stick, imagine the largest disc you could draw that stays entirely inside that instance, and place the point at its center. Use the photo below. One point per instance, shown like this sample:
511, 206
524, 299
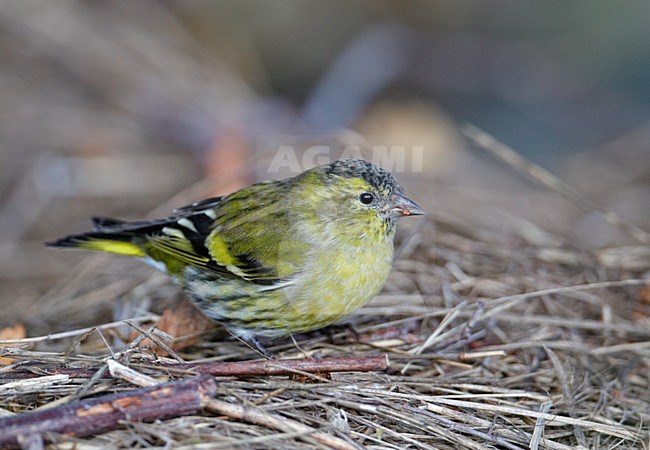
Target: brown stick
233, 369
287, 366
105, 413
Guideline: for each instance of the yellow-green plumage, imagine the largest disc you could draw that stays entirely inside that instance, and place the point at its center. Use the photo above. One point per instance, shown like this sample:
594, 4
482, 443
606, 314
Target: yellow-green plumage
276, 257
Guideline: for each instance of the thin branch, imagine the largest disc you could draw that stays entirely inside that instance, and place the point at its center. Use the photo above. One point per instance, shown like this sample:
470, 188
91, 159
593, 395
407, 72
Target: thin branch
78, 332
100, 414
228, 369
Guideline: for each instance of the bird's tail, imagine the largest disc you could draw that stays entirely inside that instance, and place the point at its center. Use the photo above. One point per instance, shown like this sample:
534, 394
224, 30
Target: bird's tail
110, 235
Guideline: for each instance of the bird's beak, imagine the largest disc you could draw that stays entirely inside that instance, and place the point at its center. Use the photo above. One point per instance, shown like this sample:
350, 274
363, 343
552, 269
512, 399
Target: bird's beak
400, 205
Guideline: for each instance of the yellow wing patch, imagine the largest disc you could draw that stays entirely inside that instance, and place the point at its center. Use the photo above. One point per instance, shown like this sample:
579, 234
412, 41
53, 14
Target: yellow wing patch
106, 245
220, 252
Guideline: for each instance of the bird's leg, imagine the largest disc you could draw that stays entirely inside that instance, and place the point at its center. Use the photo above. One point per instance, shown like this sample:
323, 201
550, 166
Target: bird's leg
293, 339
353, 330
255, 344
333, 329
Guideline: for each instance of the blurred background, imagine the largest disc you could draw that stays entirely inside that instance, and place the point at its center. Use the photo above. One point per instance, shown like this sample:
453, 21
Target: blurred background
116, 108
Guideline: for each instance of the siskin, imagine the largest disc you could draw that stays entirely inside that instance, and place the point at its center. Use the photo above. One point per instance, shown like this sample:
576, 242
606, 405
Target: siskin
277, 257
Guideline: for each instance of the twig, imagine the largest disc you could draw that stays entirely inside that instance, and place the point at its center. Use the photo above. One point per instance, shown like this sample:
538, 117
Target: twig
465, 356
105, 413
118, 370
32, 385
231, 369
289, 366
80, 331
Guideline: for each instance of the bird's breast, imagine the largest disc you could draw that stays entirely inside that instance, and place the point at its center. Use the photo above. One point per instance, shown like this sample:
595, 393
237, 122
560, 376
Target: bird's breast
339, 280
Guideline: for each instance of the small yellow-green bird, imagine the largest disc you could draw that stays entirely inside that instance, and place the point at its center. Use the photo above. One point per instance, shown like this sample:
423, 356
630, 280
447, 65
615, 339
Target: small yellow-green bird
277, 257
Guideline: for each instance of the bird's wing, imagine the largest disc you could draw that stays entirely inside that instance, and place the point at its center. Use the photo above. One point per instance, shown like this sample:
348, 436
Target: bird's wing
256, 234
248, 235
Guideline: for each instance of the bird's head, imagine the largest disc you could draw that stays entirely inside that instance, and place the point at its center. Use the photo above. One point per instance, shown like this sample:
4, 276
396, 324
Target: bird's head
363, 191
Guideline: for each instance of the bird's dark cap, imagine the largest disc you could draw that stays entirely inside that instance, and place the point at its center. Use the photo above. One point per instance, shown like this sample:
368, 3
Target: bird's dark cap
379, 178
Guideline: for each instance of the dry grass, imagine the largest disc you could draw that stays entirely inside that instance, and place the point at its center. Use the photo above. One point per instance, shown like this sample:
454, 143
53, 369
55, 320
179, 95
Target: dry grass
491, 346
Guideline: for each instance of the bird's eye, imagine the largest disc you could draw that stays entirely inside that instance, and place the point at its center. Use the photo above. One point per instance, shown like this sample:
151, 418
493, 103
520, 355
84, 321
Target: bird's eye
366, 198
